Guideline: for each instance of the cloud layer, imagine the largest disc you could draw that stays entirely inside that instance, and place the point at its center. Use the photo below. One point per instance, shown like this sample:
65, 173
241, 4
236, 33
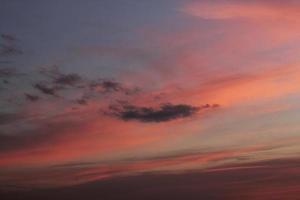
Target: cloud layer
254, 10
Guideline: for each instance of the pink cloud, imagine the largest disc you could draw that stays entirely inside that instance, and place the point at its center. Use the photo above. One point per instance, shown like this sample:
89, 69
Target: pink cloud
256, 10
72, 174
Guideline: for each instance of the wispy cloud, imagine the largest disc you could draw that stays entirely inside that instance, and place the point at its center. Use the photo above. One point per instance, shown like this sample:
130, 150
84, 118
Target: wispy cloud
8, 46
76, 173
257, 10
7, 72
31, 97
45, 89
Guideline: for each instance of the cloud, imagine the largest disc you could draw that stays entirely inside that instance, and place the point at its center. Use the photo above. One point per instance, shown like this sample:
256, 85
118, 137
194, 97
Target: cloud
43, 88
8, 46
8, 37
110, 86
57, 81
8, 50
67, 79
258, 180
258, 10
59, 78
166, 112
106, 86
70, 173
90, 88
82, 101
7, 72
71, 87
31, 97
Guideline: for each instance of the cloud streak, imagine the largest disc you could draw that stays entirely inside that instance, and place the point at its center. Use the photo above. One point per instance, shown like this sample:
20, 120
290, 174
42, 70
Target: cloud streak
76, 173
255, 10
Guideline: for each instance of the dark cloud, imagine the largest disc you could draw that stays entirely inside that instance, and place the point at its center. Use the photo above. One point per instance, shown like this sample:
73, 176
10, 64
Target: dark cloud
31, 97
50, 71
91, 87
8, 46
42, 87
67, 79
8, 37
55, 83
166, 112
132, 91
82, 101
58, 82
9, 50
110, 86
106, 86
59, 78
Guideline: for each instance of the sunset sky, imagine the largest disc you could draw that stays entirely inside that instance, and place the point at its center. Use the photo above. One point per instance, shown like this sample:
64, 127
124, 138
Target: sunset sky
97, 90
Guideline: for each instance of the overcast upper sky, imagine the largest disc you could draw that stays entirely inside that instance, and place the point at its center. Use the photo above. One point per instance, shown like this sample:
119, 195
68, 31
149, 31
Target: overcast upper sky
93, 90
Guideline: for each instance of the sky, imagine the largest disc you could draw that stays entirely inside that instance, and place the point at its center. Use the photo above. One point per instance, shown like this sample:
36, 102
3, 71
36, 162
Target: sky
100, 94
